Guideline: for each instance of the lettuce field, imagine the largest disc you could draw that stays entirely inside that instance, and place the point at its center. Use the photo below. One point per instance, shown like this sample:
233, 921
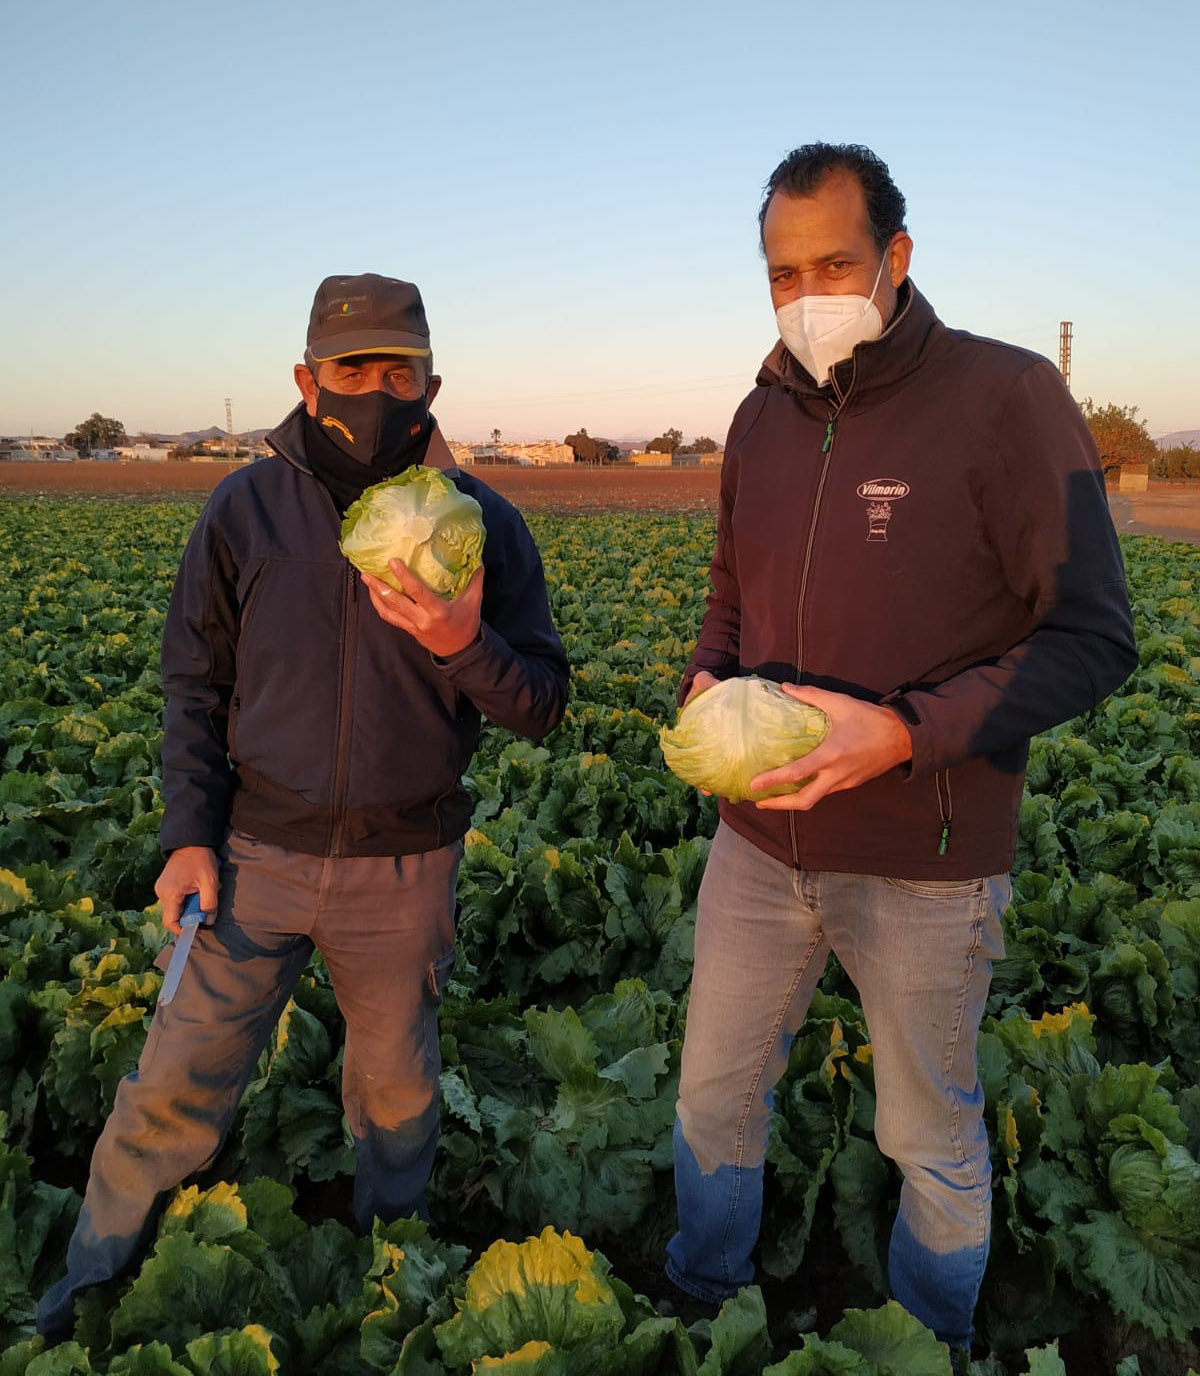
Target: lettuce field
561, 1030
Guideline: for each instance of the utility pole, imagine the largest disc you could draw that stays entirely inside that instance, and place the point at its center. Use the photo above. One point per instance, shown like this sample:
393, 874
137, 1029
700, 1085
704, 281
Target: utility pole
1064, 351
229, 427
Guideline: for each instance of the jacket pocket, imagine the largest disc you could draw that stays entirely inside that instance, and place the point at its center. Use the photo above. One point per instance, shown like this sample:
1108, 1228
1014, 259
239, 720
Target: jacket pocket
438, 973
437, 976
245, 612
235, 708
945, 808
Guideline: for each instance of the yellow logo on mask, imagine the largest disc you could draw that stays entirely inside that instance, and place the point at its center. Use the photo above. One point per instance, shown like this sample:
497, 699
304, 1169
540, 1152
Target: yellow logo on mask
333, 420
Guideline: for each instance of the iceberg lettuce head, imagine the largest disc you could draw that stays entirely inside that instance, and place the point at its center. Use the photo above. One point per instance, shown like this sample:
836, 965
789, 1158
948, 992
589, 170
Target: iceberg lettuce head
726, 735
421, 518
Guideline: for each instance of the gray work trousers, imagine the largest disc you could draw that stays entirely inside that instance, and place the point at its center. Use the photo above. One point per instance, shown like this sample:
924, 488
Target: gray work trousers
385, 927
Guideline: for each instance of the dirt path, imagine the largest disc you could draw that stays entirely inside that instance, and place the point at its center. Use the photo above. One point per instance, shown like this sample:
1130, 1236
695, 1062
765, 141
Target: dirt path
1170, 512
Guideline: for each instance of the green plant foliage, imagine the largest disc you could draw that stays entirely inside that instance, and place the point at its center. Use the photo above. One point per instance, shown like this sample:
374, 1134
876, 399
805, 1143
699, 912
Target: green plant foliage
562, 1027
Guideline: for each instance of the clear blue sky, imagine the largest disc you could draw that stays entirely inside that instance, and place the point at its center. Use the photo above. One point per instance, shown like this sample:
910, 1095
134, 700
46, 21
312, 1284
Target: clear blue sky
575, 189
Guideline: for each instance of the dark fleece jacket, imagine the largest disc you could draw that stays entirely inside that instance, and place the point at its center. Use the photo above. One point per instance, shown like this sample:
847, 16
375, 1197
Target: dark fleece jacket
296, 714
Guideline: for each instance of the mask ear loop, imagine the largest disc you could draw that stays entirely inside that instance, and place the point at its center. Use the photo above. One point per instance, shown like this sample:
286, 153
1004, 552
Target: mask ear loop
875, 288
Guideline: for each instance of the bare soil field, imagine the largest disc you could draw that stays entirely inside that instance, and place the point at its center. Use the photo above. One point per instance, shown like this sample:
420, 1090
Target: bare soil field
1169, 509
566, 491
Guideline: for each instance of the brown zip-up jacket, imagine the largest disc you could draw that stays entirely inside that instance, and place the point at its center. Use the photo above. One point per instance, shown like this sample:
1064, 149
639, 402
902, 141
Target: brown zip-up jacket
929, 531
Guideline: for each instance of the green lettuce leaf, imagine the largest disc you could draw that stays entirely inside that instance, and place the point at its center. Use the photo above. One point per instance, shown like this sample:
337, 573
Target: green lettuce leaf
547, 1289
422, 519
736, 729
1150, 1280
897, 1343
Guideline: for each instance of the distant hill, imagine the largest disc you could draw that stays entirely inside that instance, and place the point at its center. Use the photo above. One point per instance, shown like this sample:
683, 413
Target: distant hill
214, 432
1179, 437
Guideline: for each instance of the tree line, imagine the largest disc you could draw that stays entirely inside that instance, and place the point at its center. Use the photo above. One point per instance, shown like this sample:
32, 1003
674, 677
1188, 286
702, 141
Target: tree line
593, 449
1121, 437
97, 432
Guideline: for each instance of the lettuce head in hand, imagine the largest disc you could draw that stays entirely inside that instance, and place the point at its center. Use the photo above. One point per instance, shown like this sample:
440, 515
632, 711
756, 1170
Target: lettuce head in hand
422, 519
726, 735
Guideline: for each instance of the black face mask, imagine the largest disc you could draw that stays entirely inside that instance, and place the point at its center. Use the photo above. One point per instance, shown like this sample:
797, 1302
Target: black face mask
375, 428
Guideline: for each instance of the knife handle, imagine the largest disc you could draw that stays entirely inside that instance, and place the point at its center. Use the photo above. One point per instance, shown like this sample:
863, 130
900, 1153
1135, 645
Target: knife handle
191, 906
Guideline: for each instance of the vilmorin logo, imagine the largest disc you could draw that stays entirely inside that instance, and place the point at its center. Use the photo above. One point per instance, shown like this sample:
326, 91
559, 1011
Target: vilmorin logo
883, 489
879, 494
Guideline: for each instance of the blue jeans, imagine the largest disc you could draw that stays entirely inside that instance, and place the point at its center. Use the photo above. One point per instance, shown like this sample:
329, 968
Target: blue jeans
920, 953
385, 927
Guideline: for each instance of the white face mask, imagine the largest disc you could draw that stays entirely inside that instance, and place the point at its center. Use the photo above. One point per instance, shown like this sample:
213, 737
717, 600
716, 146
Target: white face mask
820, 331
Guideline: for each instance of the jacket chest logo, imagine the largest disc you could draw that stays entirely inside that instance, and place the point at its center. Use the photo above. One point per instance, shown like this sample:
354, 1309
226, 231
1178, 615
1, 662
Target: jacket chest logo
879, 494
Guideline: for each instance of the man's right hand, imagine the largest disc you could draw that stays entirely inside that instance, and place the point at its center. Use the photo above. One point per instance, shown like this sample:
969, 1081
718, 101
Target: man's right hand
702, 681
191, 869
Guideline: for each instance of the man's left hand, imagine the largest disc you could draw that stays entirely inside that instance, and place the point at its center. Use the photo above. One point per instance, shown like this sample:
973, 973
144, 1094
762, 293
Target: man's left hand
864, 741
443, 628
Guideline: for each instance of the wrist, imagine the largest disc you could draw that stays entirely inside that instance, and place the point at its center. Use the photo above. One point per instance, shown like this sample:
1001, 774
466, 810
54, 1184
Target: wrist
456, 647
900, 738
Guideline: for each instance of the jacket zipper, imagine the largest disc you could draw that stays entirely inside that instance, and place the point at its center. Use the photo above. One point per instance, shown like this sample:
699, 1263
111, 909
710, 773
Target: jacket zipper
827, 451
338, 802
945, 811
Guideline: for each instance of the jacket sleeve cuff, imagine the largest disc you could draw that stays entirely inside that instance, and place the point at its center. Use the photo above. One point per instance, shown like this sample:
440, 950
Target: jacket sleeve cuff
466, 656
172, 839
720, 671
921, 762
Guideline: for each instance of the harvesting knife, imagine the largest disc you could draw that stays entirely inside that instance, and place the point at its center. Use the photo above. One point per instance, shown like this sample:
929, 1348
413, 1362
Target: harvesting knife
191, 918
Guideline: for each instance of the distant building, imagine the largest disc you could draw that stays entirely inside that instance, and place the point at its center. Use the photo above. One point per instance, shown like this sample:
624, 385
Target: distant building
651, 460
461, 453
1135, 477
716, 457
487, 453
541, 453
35, 449
152, 453
538, 454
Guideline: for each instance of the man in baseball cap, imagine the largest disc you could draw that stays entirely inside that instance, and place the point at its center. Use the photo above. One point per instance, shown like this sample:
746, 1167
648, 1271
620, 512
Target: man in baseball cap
316, 730
367, 314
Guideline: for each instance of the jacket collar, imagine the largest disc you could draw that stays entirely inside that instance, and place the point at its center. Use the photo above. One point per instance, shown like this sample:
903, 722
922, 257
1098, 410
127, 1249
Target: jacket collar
287, 440
875, 366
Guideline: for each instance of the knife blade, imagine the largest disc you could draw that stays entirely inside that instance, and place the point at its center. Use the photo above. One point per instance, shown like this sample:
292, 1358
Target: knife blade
191, 918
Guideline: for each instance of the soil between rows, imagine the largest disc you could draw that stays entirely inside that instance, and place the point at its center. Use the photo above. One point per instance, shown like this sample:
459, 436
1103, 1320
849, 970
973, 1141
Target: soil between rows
1170, 510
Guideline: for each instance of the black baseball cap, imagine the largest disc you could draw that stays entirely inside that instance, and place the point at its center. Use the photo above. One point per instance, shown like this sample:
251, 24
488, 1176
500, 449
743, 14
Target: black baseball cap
367, 314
